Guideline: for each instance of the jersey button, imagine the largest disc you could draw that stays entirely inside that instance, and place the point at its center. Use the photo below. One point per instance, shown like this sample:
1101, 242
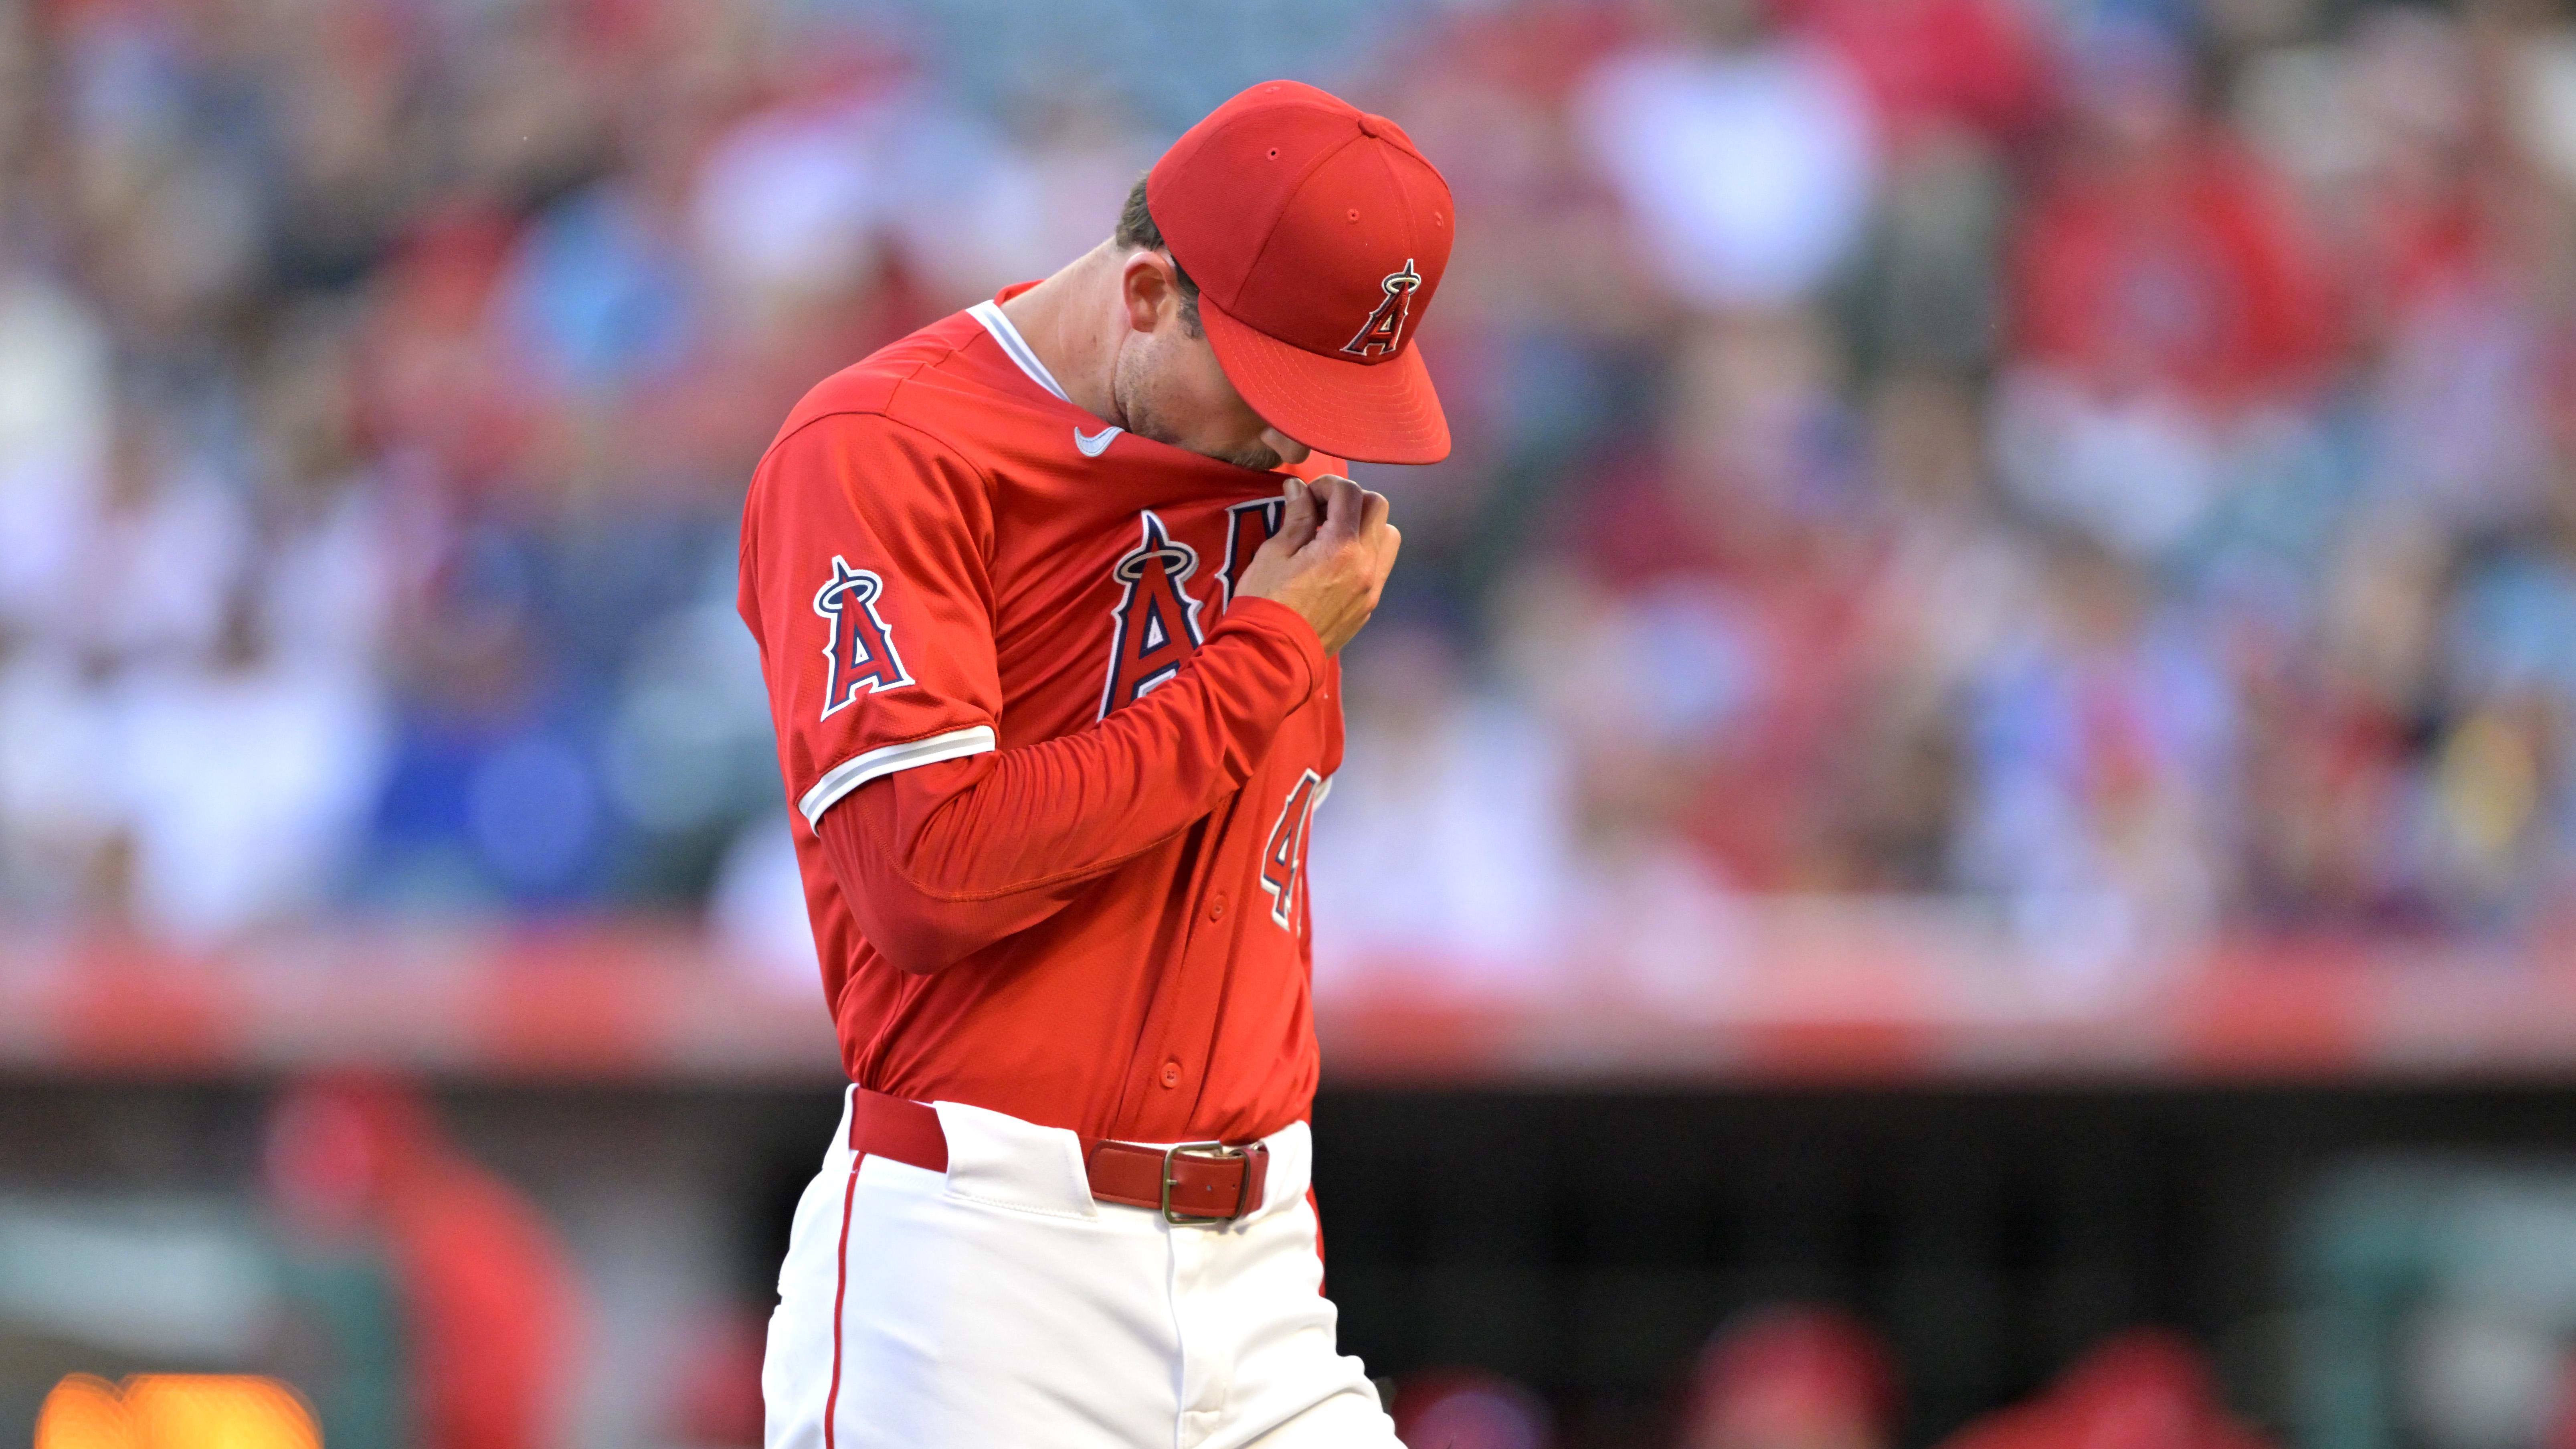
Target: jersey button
1216, 907
1171, 1074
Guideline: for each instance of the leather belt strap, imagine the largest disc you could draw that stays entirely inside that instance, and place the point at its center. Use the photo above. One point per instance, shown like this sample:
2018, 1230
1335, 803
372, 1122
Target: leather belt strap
1196, 1182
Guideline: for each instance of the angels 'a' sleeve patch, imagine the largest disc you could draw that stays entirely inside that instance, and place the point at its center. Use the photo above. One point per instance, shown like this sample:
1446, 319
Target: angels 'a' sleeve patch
863, 544
860, 653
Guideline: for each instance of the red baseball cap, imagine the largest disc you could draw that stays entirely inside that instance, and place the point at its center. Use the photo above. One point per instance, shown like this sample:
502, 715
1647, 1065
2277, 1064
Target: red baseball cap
1316, 234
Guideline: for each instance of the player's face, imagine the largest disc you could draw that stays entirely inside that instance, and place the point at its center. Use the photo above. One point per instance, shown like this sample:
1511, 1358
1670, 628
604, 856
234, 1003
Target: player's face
1168, 387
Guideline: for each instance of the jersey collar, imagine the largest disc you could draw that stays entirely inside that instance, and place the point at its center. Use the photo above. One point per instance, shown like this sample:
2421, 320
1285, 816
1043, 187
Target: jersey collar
1014, 346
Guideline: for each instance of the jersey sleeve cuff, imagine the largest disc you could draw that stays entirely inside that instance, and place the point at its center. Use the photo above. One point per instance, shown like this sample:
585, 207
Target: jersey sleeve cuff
1288, 630
859, 769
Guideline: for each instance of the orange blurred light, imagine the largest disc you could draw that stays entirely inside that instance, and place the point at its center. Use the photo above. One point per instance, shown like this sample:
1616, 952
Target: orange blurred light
84, 1413
175, 1411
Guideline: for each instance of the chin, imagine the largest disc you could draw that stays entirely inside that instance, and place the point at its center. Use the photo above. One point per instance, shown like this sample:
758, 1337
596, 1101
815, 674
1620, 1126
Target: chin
1257, 457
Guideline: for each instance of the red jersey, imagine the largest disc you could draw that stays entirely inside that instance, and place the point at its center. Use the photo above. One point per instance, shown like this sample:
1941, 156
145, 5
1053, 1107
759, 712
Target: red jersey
966, 587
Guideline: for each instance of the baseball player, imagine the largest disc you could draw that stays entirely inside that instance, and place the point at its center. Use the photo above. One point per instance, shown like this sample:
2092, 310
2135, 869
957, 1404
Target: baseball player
1048, 598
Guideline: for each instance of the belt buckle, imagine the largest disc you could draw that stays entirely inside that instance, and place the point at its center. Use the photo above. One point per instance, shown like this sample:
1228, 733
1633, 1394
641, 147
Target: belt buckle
1204, 1152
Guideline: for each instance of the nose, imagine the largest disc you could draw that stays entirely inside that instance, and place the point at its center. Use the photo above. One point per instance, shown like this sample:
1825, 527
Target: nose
1288, 448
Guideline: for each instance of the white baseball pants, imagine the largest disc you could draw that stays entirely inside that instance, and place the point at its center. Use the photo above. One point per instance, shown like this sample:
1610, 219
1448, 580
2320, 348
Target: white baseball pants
997, 1306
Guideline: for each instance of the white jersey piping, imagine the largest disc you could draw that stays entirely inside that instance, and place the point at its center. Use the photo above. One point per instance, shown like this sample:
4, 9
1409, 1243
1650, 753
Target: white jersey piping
857, 770
1015, 346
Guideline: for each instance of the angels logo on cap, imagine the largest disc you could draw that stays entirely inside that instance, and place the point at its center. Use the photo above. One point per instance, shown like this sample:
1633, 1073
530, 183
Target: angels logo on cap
1383, 332
1300, 215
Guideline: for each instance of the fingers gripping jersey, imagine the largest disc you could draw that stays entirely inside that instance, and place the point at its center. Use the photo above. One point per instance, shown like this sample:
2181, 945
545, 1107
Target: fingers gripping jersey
942, 561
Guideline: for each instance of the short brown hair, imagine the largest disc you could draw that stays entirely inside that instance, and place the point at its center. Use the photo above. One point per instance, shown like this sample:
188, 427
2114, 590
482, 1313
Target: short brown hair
1136, 229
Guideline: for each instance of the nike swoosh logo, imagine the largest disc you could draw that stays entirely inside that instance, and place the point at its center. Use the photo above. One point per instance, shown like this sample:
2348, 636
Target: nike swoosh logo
1093, 445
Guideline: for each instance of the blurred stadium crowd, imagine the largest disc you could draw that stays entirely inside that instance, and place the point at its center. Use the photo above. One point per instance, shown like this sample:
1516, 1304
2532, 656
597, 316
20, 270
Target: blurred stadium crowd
2109, 460
1796, 1376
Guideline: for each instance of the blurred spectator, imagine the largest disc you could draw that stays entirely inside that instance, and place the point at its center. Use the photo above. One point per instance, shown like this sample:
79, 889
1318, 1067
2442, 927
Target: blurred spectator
486, 1301
261, 838
1443, 860
1463, 1409
1792, 1377
1745, 159
2160, 257
55, 405
1937, 66
2162, 287
2143, 1390
2096, 741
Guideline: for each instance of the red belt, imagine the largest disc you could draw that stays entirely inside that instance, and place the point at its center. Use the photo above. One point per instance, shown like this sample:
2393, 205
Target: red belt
1194, 1182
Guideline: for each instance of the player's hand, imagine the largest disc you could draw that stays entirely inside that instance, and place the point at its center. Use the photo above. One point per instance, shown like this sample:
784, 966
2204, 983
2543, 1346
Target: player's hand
1329, 559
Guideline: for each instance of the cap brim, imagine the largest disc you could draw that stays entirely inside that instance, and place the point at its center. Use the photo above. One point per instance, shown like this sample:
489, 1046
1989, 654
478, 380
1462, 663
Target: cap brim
1368, 413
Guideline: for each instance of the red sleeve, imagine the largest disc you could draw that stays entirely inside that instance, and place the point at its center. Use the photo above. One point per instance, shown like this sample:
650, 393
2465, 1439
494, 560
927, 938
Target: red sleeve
943, 859
864, 579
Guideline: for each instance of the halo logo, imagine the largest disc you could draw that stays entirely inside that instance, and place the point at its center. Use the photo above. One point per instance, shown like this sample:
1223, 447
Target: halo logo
1382, 335
861, 649
1157, 622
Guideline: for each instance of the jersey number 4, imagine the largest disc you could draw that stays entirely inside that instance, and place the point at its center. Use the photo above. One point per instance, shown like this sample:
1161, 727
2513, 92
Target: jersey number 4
1283, 859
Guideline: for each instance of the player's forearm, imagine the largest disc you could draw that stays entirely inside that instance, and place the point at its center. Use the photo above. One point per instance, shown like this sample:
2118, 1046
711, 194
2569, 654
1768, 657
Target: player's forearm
1081, 804
942, 860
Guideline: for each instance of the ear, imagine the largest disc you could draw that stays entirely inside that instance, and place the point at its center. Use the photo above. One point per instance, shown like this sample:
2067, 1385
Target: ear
1151, 293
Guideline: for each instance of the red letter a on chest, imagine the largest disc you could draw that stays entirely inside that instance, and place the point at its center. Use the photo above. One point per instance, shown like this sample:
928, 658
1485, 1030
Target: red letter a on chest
1157, 622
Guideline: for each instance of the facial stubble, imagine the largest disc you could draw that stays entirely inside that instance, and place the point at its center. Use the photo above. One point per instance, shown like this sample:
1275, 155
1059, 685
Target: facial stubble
1134, 388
